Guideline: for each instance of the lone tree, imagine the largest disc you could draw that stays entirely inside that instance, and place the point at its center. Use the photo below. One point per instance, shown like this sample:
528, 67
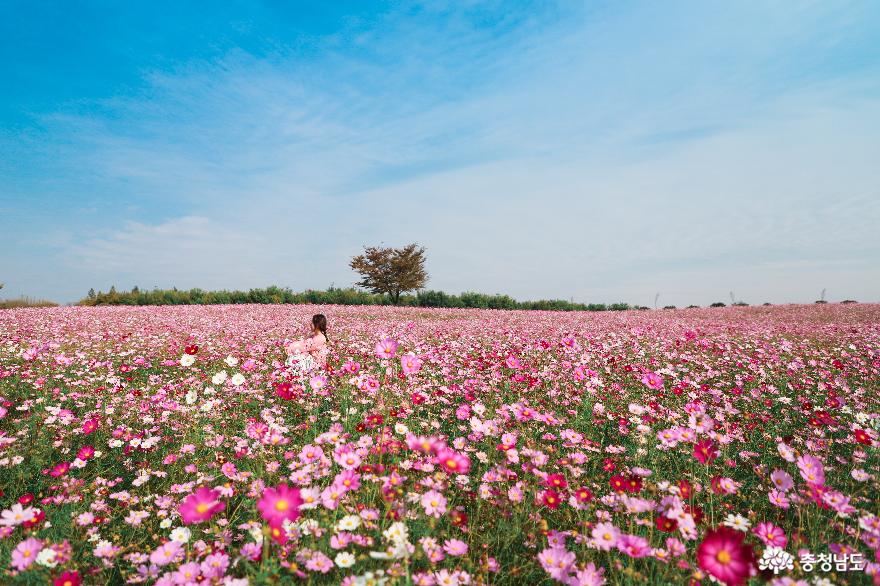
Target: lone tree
391, 270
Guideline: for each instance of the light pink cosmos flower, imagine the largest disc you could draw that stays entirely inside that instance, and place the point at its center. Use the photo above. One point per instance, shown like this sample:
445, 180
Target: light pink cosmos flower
557, 562
187, 573
16, 515
386, 348
434, 503
25, 553
348, 459
410, 364
167, 553
605, 536
455, 547
589, 576
215, 565
811, 469
318, 382
782, 480
779, 498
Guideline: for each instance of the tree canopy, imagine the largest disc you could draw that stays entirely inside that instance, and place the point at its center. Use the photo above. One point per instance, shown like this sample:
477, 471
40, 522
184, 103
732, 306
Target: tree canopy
391, 271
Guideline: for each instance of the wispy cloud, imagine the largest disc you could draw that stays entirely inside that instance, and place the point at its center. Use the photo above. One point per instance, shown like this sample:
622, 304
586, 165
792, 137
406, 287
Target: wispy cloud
600, 153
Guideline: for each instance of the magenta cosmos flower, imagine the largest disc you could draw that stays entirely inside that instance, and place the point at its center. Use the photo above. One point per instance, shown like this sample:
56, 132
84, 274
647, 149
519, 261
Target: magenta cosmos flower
724, 554
453, 462
279, 504
200, 505
705, 451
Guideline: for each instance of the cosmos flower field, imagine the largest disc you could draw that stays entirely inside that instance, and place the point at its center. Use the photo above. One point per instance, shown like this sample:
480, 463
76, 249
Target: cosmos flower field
172, 445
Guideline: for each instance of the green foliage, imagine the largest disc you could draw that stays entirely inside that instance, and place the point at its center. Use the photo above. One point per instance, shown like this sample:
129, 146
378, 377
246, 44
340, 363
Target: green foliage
333, 296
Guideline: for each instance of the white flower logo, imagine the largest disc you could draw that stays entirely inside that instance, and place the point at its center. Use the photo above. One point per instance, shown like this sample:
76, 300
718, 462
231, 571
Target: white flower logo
776, 559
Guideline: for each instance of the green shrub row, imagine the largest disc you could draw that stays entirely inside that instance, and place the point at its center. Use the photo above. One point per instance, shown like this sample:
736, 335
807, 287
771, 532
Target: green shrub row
332, 296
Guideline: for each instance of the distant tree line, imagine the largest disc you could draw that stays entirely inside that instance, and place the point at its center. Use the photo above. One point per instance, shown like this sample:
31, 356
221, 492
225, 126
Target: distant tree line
333, 296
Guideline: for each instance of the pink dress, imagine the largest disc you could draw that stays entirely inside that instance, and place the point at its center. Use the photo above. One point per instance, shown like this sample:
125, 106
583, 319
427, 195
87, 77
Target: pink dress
316, 347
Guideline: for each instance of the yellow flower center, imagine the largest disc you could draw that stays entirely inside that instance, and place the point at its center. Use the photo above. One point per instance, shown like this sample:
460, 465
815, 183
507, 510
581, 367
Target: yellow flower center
202, 508
723, 556
282, 505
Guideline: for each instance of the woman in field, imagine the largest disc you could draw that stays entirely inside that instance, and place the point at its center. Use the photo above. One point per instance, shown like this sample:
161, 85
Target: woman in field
310, 352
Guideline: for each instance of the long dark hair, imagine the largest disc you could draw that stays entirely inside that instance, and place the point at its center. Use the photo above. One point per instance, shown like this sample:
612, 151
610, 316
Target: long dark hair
320, 322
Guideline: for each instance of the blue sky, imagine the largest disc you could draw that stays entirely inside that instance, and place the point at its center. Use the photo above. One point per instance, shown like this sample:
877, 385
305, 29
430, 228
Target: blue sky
600, 151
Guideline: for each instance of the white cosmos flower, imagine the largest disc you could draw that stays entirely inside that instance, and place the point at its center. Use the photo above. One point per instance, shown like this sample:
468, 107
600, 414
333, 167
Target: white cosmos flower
401, 428
348, 523
191, 397
46, 557
187, 360
344, 559
165, 524
16, 515
181, 535
219, 378
737, 522
238, 379
231, 361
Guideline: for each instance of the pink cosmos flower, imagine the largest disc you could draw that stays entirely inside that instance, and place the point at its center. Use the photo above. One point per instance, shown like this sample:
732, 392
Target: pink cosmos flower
279, 504
589, 576
605, 536
513, 362
779, 498
770, 534
215, 565
386, 348
811, 469
724, 554
25, 553
652, 380
410, 364
348, 480
455, 547
348, 459
90, 425
200, 506
453, 462
318, 382
633, 546
59, 469
319, 562
434, 503
782, 480
187, 573
557, 562
167, 553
